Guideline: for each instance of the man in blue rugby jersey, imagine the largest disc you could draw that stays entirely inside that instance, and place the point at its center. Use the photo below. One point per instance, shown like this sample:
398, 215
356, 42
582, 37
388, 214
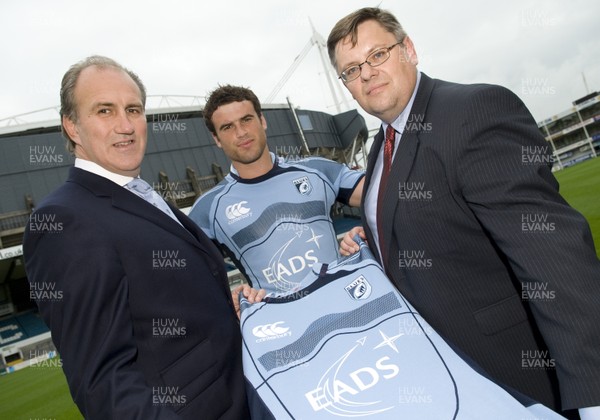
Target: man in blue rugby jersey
271, 217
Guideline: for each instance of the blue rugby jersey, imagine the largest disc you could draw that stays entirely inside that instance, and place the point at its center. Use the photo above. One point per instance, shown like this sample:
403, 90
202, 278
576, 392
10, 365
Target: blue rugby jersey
276, 226
348, 344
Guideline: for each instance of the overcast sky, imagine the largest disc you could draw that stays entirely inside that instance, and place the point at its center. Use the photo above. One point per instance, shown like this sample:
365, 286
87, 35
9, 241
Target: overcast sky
538, 49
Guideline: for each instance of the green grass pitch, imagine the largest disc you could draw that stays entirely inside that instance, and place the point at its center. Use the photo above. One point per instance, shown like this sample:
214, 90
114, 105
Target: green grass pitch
38, 392
580, 186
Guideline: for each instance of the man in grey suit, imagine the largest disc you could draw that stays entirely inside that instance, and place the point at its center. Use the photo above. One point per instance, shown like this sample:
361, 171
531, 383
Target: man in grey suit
144, 321
461, 207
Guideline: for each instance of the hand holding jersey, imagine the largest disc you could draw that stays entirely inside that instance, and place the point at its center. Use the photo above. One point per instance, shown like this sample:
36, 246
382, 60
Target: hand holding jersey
251, 295
348, 245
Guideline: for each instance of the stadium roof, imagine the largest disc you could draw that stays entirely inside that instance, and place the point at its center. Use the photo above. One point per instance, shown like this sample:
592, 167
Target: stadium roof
155, 104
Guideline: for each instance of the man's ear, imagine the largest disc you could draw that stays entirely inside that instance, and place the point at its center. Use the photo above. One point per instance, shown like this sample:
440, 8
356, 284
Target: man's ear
410, 53
71, 129
263, 121
217, 142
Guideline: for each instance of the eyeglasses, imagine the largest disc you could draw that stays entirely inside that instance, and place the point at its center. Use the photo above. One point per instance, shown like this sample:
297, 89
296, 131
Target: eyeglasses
376, 58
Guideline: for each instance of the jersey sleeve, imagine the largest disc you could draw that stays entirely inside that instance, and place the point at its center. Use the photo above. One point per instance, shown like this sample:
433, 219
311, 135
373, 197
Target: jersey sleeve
342, 179
202, 213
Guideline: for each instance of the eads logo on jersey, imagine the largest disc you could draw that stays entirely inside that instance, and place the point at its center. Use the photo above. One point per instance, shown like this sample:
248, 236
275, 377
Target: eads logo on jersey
237, 211
353, 386
289, 260
303, 185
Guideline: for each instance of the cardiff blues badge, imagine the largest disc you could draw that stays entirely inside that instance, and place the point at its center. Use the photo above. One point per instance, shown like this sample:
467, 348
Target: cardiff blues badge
359, 289
303, 185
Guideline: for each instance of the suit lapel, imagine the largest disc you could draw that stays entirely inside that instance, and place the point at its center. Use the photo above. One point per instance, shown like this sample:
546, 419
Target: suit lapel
399, 172
141, 208
131, 203
196, 233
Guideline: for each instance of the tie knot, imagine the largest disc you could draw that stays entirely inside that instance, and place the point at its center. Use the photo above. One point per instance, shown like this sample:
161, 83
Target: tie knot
390, 134
139, 185
143, 190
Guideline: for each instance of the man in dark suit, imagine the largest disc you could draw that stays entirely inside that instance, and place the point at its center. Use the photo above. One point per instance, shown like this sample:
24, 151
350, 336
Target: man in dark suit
144, 321
463, 212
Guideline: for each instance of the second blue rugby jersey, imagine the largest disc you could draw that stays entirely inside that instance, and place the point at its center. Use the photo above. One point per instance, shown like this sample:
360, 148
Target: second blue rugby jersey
348, 344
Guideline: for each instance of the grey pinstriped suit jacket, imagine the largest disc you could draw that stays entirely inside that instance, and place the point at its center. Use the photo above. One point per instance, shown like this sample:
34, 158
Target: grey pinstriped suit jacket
479, 240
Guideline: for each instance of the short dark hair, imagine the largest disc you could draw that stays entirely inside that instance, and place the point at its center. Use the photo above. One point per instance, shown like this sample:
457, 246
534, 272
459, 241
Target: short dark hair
68, 105
224, 95
348, 26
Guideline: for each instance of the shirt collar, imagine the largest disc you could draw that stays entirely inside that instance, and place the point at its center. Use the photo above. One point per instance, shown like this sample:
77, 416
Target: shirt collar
237, 176
88, 165
400, 122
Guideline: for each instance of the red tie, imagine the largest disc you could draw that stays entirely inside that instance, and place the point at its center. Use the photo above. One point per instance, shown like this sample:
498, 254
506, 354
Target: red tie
388, 151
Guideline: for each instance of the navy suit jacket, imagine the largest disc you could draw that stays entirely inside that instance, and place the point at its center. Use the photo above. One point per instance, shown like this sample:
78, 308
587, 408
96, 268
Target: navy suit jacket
479, 240
143, 322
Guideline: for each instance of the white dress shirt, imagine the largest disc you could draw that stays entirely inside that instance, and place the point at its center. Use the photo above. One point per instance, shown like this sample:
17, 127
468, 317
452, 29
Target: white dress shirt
88, 165
118, 179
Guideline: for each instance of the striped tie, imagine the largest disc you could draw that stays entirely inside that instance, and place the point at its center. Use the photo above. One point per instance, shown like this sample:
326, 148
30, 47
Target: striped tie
388, 151
143, 190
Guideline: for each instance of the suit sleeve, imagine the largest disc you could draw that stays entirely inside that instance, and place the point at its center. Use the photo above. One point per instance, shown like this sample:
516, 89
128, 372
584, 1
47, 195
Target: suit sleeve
91, 322
505, 177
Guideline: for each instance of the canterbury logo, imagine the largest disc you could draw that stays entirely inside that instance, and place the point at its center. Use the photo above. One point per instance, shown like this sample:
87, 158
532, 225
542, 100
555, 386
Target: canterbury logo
270, 330
236, 210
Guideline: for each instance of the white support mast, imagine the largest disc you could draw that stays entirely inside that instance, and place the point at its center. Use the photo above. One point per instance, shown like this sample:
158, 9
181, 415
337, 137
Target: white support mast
315, 39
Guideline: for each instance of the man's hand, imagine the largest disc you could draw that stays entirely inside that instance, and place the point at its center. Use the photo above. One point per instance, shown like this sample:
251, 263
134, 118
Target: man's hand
253, 296
347, 244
